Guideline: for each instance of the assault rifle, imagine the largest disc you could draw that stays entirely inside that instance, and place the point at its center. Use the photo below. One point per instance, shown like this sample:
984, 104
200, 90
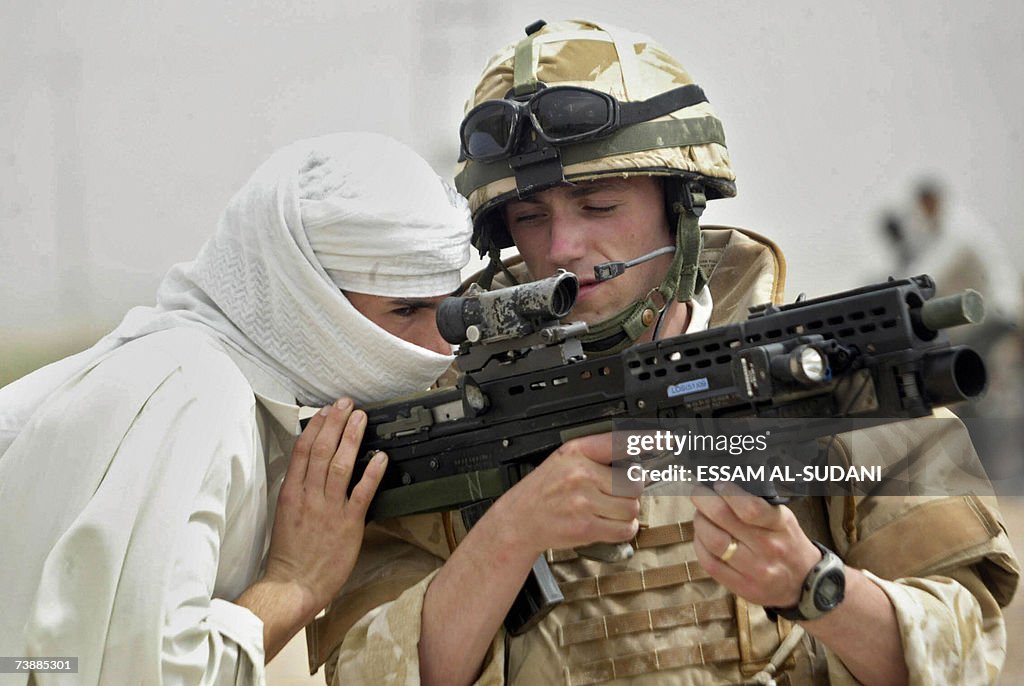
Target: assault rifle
527, 387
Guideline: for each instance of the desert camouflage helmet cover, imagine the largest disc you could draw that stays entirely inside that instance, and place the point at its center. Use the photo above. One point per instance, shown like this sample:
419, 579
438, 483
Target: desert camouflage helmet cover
689, 142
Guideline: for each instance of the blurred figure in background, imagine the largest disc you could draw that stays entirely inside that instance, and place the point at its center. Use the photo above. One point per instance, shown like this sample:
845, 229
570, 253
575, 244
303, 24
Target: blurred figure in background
894, 235
956, 246
941, 236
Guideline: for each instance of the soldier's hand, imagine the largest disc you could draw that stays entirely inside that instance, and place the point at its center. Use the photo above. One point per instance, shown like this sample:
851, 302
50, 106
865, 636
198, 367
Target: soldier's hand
567, 501
766, 553
318, 527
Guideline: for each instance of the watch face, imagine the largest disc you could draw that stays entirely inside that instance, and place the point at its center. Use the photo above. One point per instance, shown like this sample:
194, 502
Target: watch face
830, 590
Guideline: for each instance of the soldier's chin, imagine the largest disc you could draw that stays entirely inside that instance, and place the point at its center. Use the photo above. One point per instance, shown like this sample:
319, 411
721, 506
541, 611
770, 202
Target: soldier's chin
587, 315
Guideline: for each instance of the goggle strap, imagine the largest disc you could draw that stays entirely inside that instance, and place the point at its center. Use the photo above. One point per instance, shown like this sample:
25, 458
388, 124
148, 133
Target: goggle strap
664, 103
651, 135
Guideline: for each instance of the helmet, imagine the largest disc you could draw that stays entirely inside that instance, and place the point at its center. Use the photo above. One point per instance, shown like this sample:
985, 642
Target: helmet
550, 87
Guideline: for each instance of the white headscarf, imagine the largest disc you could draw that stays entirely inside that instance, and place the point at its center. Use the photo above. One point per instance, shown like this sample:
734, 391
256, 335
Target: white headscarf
362, 205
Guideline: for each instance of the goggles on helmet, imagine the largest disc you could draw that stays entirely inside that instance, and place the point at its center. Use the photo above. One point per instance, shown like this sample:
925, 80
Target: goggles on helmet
561, 115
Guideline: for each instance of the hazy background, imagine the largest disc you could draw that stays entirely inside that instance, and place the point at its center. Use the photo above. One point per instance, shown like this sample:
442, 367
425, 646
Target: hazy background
125, 126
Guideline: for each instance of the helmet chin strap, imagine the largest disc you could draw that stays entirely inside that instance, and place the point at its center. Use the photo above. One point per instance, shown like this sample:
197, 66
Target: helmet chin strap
494, 265
681, 281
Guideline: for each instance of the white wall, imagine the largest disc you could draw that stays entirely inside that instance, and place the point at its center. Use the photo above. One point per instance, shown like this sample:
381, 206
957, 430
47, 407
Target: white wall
125, 126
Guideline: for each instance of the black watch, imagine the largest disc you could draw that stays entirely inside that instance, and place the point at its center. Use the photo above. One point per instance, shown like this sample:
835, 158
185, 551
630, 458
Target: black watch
822, 591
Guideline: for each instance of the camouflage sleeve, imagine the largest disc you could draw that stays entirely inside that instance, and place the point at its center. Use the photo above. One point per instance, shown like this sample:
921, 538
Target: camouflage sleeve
382, 647
944, 561
952, 628
370, 633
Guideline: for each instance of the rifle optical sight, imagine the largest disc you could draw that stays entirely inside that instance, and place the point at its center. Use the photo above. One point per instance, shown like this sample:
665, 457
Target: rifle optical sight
507, 312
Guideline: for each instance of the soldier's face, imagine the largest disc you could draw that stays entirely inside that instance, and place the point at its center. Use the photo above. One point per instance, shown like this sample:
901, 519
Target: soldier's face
577, 227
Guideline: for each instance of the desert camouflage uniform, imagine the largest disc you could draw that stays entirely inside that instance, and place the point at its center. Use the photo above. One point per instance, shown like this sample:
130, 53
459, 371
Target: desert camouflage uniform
945, 563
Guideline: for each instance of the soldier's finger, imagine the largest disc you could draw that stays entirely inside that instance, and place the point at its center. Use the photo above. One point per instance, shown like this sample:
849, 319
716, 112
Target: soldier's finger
714, 509
750, 509
702, 491
596, 447
722, 572
613, 507
725, 545
628, 480
615, 530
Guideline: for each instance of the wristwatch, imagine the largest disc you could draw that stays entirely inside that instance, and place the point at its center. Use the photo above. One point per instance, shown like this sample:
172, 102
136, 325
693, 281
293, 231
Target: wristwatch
822, 591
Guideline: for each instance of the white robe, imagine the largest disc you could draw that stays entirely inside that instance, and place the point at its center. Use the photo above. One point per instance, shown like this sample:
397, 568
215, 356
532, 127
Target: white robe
161, 519
133, 476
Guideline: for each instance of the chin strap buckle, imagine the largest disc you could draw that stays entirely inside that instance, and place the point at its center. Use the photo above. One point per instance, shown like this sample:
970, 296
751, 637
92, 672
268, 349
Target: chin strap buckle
693, 200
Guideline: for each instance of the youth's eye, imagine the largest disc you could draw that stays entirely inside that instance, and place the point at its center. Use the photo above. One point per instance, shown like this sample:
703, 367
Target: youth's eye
404, 312
600, 209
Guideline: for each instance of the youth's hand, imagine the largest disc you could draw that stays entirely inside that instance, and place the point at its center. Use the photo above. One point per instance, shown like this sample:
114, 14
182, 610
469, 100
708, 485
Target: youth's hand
318, 528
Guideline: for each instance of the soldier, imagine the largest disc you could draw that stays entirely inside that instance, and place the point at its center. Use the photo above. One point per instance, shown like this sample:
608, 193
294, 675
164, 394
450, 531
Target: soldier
137, 478
583, 145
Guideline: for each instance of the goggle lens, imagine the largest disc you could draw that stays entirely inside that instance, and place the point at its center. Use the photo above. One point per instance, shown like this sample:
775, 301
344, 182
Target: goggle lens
566, 114
487, 131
